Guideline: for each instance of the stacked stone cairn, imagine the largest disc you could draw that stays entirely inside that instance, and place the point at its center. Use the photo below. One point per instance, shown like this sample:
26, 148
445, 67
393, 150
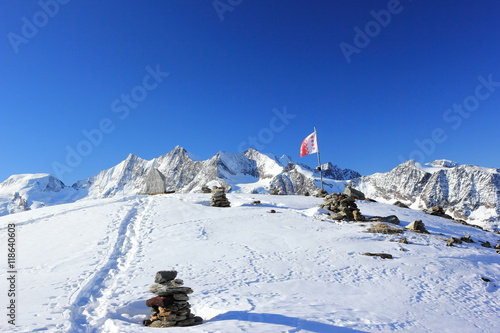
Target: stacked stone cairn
219, 198
342, 207
170, 307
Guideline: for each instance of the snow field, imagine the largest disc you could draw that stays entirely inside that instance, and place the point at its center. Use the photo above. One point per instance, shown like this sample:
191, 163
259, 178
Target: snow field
87, 266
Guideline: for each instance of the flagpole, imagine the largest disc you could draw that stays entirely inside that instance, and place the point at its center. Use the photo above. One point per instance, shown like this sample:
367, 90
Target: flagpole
319, 161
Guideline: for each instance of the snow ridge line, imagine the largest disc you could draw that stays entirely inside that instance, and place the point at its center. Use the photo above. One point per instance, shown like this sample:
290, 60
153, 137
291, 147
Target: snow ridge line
82, 307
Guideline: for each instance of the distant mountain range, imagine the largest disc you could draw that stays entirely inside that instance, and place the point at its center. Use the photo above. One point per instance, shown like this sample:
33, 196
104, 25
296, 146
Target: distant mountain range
467, 192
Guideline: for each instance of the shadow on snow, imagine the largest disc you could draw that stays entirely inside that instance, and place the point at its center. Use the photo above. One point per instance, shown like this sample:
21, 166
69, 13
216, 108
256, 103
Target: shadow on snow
271, 318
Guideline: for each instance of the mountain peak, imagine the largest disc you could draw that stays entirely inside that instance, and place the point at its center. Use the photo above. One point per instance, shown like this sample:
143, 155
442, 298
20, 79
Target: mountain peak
179, 149
131, 157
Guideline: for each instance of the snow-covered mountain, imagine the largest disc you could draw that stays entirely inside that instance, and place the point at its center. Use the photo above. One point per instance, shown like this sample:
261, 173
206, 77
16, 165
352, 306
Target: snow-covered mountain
86, 267
466, 192
29, 191
248, 172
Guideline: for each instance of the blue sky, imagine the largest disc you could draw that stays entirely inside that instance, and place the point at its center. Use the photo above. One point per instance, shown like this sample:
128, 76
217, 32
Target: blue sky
85, 83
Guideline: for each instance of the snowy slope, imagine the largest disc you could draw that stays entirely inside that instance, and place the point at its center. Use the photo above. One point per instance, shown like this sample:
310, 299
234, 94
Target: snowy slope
86, 267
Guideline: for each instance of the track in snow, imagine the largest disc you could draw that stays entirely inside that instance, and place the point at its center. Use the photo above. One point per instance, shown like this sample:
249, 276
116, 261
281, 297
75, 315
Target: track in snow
89, 306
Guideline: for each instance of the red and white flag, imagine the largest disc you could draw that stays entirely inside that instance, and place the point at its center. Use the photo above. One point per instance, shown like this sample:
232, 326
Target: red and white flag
309, 145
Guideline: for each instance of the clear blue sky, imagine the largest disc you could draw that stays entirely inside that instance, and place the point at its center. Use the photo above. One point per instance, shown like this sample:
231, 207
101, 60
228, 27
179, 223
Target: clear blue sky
376, 97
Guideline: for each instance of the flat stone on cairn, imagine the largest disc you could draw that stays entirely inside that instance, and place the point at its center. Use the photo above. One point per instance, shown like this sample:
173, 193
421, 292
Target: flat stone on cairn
170, 307
219, 198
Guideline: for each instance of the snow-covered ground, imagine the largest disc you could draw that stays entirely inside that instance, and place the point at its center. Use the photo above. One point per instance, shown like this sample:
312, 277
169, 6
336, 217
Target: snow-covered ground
86, 267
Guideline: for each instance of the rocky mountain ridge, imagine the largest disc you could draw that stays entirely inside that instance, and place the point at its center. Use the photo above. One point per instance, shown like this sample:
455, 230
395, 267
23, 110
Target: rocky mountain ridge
247, 172
466, 192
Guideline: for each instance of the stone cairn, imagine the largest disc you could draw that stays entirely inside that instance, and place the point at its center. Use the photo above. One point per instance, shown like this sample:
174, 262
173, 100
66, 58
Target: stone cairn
219, 198
170, 307
342, 207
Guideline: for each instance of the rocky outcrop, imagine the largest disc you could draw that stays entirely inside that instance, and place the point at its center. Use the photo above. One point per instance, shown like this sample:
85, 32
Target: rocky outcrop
154, 182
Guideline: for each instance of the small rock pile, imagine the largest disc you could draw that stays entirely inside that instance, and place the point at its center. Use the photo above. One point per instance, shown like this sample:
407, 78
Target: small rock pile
219, 198
342, 207
438, 211
170, 307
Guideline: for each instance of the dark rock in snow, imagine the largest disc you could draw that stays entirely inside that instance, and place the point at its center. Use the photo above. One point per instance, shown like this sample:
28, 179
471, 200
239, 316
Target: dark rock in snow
381, 255
390, 219
400, 204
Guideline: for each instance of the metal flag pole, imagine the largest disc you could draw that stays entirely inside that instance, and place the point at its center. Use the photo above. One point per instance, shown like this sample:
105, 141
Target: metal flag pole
319, 161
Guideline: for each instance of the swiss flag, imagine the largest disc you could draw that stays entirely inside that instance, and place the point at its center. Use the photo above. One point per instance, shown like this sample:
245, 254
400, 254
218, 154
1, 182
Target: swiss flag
309, 145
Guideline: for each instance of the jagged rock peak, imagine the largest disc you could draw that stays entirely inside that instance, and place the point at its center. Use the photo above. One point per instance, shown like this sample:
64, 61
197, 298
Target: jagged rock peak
179, 150
334, 172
